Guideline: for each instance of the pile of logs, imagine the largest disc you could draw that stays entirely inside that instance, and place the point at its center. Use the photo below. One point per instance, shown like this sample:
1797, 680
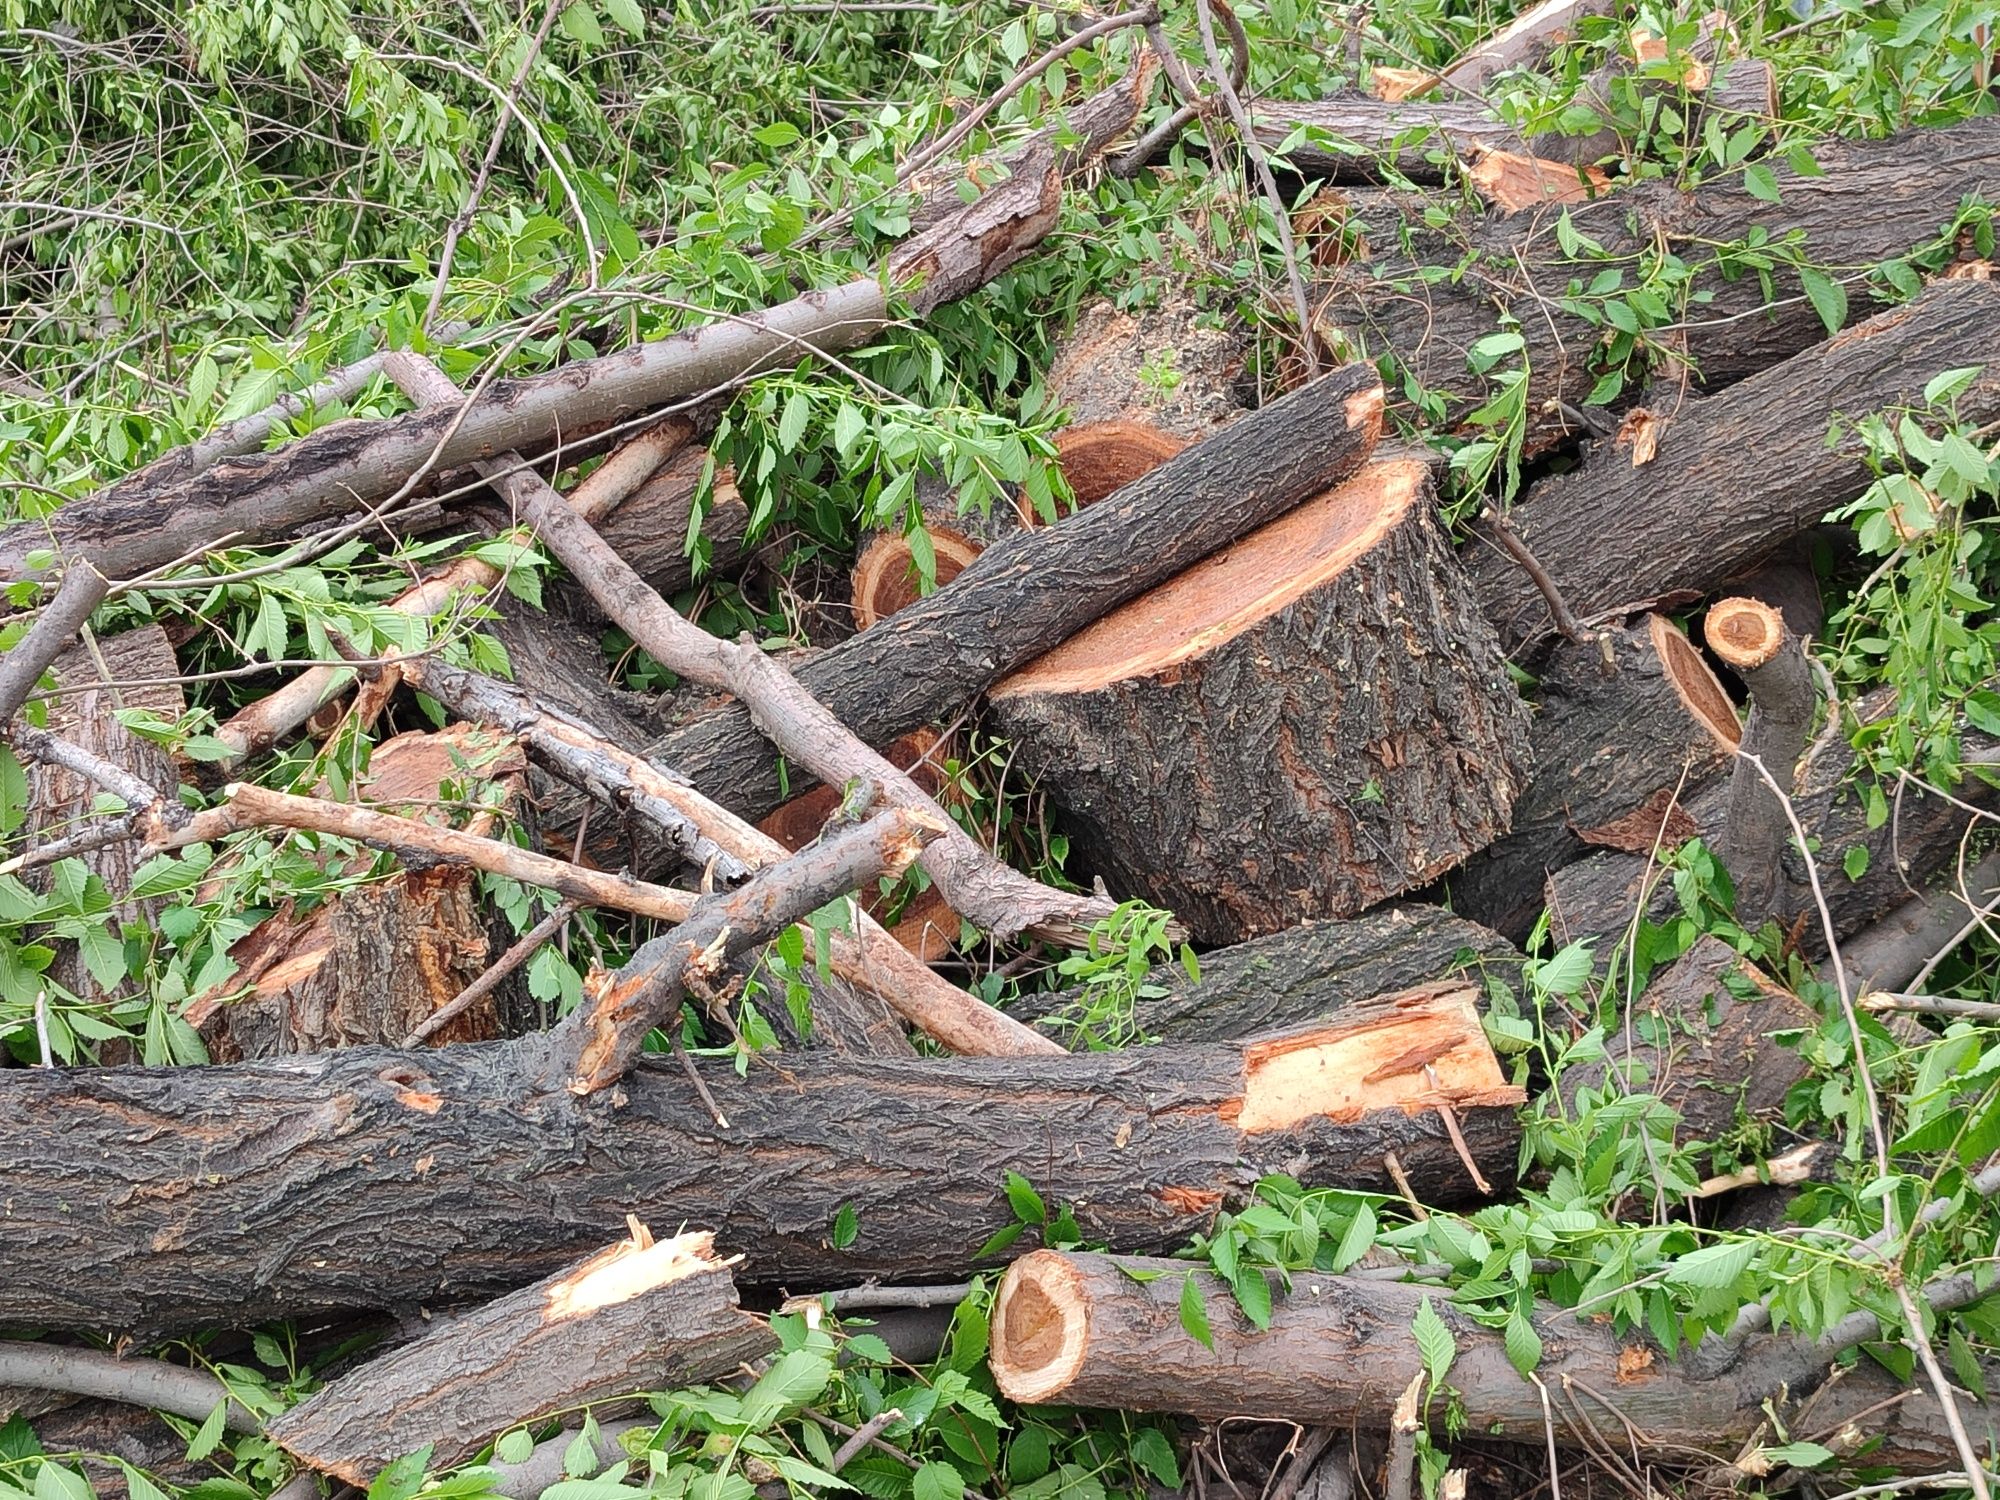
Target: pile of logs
1258, 686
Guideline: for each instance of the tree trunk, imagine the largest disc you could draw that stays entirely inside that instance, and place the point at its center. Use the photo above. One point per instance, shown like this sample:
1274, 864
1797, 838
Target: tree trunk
650, 528
1042, 586
1877, 201
1617, 722
1310, 722
1306, 973
640, 1316
1736, 475
1083, 1330
369, 1178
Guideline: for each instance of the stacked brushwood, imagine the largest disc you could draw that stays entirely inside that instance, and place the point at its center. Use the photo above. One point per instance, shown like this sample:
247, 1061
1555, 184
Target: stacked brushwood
1258, 686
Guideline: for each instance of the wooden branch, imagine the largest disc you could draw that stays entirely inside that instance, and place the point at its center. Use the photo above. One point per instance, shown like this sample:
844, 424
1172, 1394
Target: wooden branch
1751, 637
986, 892
83, 589
1905, 947
1523, 42
1087, 1330
203, 1195
150, 519
1027, 592
868, 957
597, 1044
259, 725
640, 1316
193, 1394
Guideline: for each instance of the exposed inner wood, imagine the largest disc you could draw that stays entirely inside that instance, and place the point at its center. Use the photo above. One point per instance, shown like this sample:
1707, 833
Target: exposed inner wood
1706, 698
1222, 597
1100, 458
1745, 633
626, 1270
1041, 1327
1410, 1052
885, 574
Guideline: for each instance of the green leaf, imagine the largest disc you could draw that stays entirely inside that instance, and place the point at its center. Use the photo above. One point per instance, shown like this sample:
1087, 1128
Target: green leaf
54, 1481
1194, 1315
1760, 182
579, 24
626, 16
1964, 1364
788, 1385
1855, 861
936, 1481
1152, 1452
399, 1480
1524, 1345
1028, 1455
1799, 1455
1253, 1295
792, 423
210, 1434
514, 1446
138, 1486
1435, 1344
1828, 297
867, 1346
17, 1439
13, 791
1712, 1267
1025, 1201
777, 134
846, 1226
1948, 385
1358, 1240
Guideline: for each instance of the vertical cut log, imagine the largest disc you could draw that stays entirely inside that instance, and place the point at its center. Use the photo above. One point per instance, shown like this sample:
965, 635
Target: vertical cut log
1618, 721
640, 1316
1312, 721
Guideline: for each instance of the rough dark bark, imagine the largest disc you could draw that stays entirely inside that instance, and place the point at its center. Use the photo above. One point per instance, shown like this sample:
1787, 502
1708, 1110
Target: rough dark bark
1303, 974
1080, 1330
370, 1178
1886, 955
1705, 1050
650, 528
1617, 722
1877, 200
1169, 367
1737, 474
1599, 896
1750, 637
156, 515
1306, 724
1043, 586
635, 1317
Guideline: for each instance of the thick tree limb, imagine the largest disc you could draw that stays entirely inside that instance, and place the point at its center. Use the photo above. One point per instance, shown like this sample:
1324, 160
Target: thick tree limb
83, 589
983, 890
193, 1394
868, 957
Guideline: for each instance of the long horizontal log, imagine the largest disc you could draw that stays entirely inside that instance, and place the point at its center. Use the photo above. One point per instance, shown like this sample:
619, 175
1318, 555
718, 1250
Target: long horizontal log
1877, 200
370, 1178
1735, 475
1036, 588
1085, 1330
155, 516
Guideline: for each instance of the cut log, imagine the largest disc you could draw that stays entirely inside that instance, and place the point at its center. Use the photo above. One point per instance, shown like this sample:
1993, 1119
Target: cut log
1598, 897
640, 1316
91, 692
1306, 973
919, 666
1618, 722
370, 964
1101, 1330
1705, 1049
369, 1178
1736, 475
649, 529
1876, 201
886, 577
1918, 935
1168, 368
1312, 722
1523, 43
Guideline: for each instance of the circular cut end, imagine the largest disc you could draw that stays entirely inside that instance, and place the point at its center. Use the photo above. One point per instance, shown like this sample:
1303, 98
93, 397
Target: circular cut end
1101, 458
885, 575
1745, 633
1699, 688
1041, 1326
1238, 588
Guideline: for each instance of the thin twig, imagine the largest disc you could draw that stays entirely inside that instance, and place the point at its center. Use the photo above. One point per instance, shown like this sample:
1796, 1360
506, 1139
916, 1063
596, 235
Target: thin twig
522, 950
862, 1436
1510, 539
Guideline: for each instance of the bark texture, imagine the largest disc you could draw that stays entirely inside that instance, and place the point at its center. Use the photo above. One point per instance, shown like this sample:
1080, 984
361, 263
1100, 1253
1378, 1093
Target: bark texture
1617, 722
370, 1178
650, 528
1080, 1330
1736, 475
1306, 973
1043, 586
635, 1317
1311, 722
1877, 200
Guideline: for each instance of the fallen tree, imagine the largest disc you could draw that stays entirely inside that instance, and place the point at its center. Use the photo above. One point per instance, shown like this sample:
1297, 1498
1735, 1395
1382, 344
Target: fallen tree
371, 1178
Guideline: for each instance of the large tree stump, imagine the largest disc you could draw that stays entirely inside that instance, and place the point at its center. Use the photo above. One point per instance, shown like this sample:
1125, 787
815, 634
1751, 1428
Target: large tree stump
641, 1315
1306, 724
1617, 726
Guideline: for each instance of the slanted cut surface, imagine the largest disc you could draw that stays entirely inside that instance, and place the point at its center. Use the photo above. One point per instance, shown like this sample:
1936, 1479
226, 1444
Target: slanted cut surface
1304, 724
1706, 700
1041, 1327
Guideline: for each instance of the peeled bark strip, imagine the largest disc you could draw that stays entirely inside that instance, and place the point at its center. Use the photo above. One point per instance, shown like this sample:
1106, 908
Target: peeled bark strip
1003, 611
153, 517
640, 1316
370, 1178
1737, 474
1306, 973
1877, 200
1751, 638
1610, 738
1309, 723
1081, 1330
